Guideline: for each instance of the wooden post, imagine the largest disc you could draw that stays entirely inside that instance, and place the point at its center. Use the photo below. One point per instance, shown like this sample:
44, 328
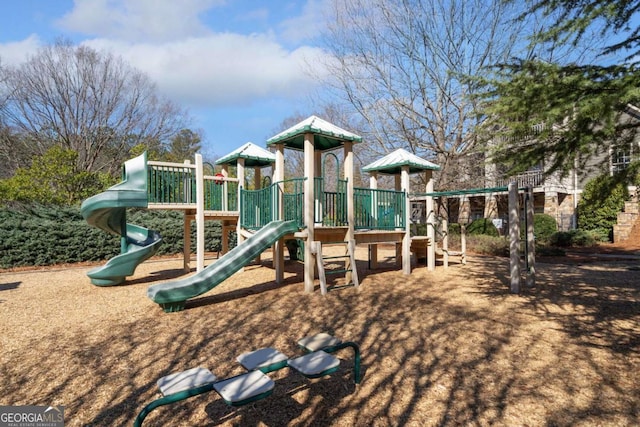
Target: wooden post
406, 239
514, 237
463, 244
224, 242
240, 176
225, 188
199, 213
186, 250
445, 243
373, 184
531, 243
399, 246
431, 223
309, 199
318, 201
256, 185
278, 212
351, 276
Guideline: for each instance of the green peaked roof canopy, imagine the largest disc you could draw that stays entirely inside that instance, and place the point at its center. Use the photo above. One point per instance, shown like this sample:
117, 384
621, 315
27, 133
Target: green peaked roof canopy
392, 163
327, 136
252, 155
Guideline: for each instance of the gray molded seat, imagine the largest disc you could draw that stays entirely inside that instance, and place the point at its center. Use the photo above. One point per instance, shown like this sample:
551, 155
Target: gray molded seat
245, 388
185, 380
266, 359
315, 365
318, 341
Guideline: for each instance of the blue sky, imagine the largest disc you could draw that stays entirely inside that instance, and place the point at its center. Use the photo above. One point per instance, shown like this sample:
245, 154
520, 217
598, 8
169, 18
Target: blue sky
239, 66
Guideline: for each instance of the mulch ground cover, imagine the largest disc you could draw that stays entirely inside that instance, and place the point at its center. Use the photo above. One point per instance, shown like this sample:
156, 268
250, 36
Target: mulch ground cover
444, 348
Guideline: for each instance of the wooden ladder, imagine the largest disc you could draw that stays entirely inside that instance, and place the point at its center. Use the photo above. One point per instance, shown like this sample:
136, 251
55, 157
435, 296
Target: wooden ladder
349, 269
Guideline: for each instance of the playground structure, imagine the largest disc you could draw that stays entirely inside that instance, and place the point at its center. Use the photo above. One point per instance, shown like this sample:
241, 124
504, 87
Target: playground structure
302, 208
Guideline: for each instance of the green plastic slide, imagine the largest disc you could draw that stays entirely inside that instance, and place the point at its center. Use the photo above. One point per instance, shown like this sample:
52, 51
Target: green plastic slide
172, 296
108, 211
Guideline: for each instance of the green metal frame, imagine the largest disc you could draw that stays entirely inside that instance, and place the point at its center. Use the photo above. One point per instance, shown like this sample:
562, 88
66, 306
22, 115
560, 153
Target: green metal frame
357, 376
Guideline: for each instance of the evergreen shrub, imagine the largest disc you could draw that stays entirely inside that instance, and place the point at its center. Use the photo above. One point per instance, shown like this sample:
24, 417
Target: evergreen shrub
572, 238
601, 201
455, 229
544, 226
482, 226
45, 235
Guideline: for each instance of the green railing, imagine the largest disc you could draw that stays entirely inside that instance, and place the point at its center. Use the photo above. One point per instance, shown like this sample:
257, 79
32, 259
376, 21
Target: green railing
259, 207
176, 184
220, 195
171, 184
292, 193
379, 209
330, 206
374, 209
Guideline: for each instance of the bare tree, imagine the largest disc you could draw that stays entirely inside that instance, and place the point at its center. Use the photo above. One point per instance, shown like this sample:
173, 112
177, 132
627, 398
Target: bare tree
404, 66
91, 102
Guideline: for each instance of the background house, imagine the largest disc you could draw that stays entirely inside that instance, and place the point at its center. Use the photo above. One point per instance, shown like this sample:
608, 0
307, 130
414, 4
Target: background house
556, 194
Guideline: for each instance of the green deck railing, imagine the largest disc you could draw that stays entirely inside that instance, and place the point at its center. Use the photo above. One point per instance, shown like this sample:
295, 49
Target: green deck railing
330, 206
176, 185
171, 184
379, 209
256, 207
292, 193
374, 209
220, 195
259, 207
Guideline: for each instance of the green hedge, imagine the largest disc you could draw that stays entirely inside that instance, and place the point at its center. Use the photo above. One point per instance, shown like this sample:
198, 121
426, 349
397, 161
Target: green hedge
40, 235
483, 226
574, 238
601, 201
544, 226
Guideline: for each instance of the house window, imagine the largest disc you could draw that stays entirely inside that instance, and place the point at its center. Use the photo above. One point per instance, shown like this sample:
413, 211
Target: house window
621, 160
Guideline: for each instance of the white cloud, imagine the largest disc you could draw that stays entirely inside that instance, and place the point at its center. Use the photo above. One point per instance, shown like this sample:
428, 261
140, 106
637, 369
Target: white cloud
14, 53
222, 69
308, 24
138, 20
192, 64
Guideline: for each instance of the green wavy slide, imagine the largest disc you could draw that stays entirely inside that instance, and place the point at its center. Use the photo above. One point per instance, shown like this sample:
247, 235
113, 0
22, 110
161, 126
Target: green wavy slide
108, 211
172, 296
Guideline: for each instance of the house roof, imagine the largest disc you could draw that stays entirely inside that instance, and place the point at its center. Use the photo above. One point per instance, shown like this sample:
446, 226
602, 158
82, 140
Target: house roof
327, 136
252, 155
392, 163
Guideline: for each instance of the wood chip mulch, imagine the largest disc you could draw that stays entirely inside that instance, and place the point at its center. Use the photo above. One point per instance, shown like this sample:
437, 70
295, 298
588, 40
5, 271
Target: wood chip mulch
443, 348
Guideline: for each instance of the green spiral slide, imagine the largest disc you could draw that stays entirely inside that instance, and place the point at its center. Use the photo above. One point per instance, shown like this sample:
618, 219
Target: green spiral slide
172, 296
108, 211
